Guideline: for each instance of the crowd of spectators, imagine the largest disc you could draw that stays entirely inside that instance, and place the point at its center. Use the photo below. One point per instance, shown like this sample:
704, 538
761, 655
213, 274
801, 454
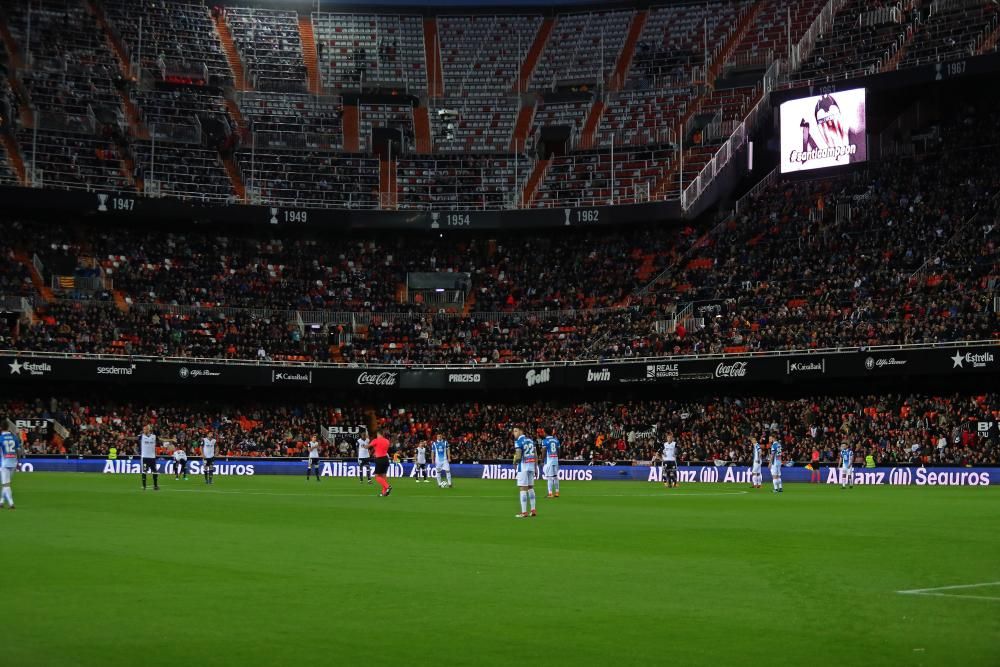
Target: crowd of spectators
893, 428
902, 252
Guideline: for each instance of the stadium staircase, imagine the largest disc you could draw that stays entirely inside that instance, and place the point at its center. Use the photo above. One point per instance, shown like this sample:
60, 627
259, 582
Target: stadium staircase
352, 128
432, 56
14, 157
589, 134
422, 130
309, 54
531, 186
234, 112
388, 188
734, 40
620, 75
109, 35
522, 127
235, 177
232, 55
535, 52
36, 278
127, 165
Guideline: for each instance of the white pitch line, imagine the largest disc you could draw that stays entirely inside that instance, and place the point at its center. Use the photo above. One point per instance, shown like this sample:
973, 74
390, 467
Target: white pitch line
933, 592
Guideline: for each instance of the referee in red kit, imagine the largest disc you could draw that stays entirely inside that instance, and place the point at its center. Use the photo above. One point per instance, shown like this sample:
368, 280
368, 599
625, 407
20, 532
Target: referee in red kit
381, 446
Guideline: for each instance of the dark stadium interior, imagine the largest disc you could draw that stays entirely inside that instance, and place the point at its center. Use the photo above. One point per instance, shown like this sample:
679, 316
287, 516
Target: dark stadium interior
450, 115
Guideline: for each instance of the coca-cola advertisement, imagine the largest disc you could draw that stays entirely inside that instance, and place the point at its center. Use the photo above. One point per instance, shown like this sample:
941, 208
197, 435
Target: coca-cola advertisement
378, 379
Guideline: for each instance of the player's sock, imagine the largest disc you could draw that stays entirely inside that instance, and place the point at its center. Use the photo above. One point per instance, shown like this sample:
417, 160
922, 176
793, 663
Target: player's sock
555, 483
144, 480
524, 502
779, 484
774, 482
449, 477
384, 484
156, 480
531, 498
6, 495
550, 487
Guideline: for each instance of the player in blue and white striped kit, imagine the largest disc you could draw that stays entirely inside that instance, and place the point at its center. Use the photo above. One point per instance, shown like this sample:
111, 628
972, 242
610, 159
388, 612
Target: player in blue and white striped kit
550, 445
776, 465
442, 462
10, 447
846, 466
526, 465
755, 476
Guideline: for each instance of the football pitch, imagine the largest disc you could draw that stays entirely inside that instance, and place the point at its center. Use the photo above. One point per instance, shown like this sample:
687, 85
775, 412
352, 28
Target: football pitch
281, 571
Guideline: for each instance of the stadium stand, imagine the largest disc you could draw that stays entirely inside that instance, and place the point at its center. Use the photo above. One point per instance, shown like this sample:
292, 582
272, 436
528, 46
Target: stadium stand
287, 120
481, 55
893, 427
382, 51
583, 49
313, 178
461, 183
179, 41
394, 116
479, 125
270, 46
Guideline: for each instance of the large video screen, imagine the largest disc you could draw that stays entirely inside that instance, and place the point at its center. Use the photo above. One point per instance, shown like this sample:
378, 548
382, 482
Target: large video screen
823, 131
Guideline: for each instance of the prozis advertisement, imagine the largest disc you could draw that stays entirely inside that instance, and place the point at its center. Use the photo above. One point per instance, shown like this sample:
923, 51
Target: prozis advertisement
823, 131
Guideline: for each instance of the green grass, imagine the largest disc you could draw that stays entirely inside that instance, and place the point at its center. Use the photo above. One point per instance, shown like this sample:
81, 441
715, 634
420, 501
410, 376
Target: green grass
278, 571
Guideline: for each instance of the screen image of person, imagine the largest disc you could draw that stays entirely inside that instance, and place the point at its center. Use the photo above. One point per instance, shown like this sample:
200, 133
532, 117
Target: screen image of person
830, 131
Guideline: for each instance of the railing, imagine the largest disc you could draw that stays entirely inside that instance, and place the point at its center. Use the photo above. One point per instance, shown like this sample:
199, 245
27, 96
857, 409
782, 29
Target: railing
823, 22
881, 16
743, 202
708, 173
81, 283
175, 132
948, 345
14, 304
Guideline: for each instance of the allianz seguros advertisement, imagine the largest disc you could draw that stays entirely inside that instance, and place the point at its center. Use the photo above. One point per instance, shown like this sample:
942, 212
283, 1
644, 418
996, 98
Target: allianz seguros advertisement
687, 474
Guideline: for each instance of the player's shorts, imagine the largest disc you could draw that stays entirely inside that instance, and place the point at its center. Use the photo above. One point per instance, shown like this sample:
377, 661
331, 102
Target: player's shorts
209, 461
755, 469
443, 467
314, 461
776, 470
181, 464
5, 475
551, 470
382, 465
362, 462
847, 472
526, 477
149, 465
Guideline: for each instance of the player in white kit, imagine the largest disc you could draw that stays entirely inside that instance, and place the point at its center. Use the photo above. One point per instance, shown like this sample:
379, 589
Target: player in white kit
526, 465
420, 463
550, 445
10, 447
180, 463
442, 461
208, 447
669, 467
755, 476
364, 460
313, 464
776, 465
846, 466
147, 452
